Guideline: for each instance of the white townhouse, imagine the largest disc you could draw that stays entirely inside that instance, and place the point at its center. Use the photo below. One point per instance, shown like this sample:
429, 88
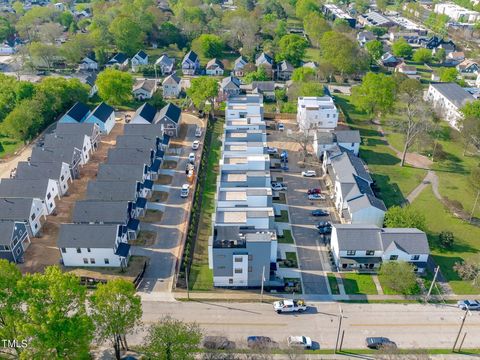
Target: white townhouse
104, 117
243, 197
448, 99
93, 245
240, 107
316, 113
139, 59
58, 171
245, 162
80, 142
366, 247
327, 141
30, 211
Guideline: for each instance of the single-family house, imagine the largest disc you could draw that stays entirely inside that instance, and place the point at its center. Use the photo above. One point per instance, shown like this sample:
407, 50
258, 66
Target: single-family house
284, 70
265, 61
190, 63
165, 64
94, 245
107, 212
239, 66
389, 60
88, 63
230, 86
403, 68
30, 211
90, 80
144, 89
76, 114
365, 36
119, 60
448, 99
80, 142
455, 57
171, 86
435, 42
145, 114
310, 64
130, 190
14, 240
103, 116
214, 67
264, 88
366, 247
139, 59
468, 67
328, 140
169, 117
316, 113
70, 155
90, 129
58, 171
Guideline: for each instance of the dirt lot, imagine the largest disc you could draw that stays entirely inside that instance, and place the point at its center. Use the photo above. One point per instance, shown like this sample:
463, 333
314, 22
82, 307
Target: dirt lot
152, 216
164, 180
43, 251
159, 196
144, 238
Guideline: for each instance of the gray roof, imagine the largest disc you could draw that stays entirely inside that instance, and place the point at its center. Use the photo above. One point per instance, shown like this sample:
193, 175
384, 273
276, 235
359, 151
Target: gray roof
24, 188
348, 136
137, 141
98, 211
409, 240
263, 85
112, 190
365, 201
347, 164
120, 172
377, 19
147, 85
15, 208
325, 137
285, 66
129, 156
173, 78
33, 171
454, 93
49, 155
143, 129
165, 60
72, 128
171, 111
64, 141
87, 236
6, 231
358, 237
215, 62
230, 80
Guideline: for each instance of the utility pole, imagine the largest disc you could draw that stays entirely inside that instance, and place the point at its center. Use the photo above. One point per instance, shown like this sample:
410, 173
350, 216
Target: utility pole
339, 328
433, 282
263, 280
461, 327
474, 205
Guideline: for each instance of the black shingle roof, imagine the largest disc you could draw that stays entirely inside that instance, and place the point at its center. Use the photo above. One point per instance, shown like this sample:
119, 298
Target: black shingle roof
142, 54
171, 111
102, 112
118, 58
147, 112
78, 111
192, 56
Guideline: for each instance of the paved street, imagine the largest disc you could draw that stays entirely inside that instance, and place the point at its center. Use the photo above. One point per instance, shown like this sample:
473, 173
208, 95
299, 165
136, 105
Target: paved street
409, 325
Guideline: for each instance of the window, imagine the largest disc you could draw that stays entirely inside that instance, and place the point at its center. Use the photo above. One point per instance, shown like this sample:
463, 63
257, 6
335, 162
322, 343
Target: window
415, 257
250, 257
18, 251
15, 242
92, 261
220, 267
230, 281
238, 271
89, 250
49, 196
249, 269
393, 257
106, 261
62, 178
85, 260
64, 250
33, 217
35, 226
351, 252
238, 259
370, 252
79, 250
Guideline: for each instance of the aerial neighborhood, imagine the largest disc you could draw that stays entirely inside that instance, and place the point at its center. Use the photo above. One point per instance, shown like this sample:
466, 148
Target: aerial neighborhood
176, 175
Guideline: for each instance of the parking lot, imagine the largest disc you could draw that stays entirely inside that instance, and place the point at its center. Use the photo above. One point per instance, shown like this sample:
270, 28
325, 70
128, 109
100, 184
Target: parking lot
311, 247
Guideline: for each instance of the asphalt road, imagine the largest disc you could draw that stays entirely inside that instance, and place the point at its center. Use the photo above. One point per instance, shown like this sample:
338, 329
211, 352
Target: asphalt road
409, 325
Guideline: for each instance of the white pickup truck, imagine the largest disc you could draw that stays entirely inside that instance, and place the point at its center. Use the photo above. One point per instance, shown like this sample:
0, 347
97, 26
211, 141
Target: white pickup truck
289, 306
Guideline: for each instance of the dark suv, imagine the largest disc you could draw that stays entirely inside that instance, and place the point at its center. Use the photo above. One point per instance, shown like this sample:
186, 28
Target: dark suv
379, 343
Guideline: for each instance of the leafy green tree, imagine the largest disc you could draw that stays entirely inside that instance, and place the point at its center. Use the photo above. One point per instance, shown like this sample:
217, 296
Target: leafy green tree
43, 55
6, 29
405, 217
303, 74
446, 239
422, 56
66, 19
374, 49
448, 74
315, 26
172, 339
24, 121
292, 48
258, 75
77, 47
376, 94
58, 326
341, 25
115, 86
382, 5
438, 23
311, 89
208, 45
116, 310
470, 125
398, 276
468, 271
127, 34
169, 34
305, 7
402, 49
377, 30
362, 6
203, 89
440, 54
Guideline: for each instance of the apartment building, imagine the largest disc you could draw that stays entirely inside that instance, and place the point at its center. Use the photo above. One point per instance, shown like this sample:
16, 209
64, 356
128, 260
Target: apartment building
316, 113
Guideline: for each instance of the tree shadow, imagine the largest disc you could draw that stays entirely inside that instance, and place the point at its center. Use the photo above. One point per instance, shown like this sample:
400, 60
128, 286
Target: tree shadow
389, 192
378, 158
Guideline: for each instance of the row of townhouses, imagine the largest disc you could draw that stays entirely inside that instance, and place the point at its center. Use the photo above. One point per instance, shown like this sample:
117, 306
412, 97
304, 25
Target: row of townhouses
243, 245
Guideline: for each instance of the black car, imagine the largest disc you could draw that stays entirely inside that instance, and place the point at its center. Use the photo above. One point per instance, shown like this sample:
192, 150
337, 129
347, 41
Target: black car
379, 343
325, 230
260, 342
320, 212
323, 224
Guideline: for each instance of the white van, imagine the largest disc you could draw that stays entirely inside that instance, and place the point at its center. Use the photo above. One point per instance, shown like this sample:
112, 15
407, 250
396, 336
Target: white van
198, 131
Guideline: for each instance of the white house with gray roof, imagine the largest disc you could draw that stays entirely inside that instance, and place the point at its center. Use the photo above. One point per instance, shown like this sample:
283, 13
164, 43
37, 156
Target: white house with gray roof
169, 117
366, 247
448, 99
79, 142
138, 60
30, 211
129, 190
70, 155
171, 86
239, 66
316, 113
229, 86
58, 171
14, 240
91, 129
326, 141
91, 245
165, 64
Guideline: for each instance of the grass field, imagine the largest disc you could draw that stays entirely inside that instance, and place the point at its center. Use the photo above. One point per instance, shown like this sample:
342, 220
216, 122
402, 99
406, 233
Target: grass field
332, 281
201, 277
283, 216
287, 237
359, 284
8, 146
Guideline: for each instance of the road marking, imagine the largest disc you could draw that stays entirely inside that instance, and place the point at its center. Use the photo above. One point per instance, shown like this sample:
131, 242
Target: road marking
409, 325
242, 324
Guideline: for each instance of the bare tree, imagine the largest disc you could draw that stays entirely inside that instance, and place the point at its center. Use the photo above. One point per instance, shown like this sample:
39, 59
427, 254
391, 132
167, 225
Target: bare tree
303, 139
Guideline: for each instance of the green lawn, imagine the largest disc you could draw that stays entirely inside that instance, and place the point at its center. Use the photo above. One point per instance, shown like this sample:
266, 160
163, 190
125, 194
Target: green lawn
359, 284
283, 216
8, 146
290, 261
467, 240
332, 281
287, 237
389, 291
201, 277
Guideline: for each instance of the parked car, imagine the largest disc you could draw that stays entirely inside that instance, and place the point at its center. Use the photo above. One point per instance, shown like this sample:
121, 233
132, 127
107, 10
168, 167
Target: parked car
195, 145
198, 131
218, 343
468, 304
323, 224
314, 191
185, 190
309, 173
260, 342
272, 150
325, 230
316, 197
191, 158
289, 305
281, 127
320, 212
303, 342
379, 343
279, 186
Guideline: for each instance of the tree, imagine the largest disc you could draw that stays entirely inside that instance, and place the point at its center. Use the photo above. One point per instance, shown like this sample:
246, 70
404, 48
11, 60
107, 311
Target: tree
115, 86
470, 125
398, 276
402, 49
303, 139
127, 34
341, 25
382, 5
305, 7
6, 29
374, 49
416, 113
208, 45
42, 54
448, 74
315, 26
422, 56
49, 32
311, 89
303, 74
446, 239
116, 310
66, 19
376, 94
468, 271
258, 75
404, 217
172, 339
58, 326
292, 48
24, 121
440, 54
203, 89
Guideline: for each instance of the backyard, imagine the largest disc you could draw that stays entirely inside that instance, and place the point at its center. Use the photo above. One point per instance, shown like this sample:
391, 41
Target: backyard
359, 284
